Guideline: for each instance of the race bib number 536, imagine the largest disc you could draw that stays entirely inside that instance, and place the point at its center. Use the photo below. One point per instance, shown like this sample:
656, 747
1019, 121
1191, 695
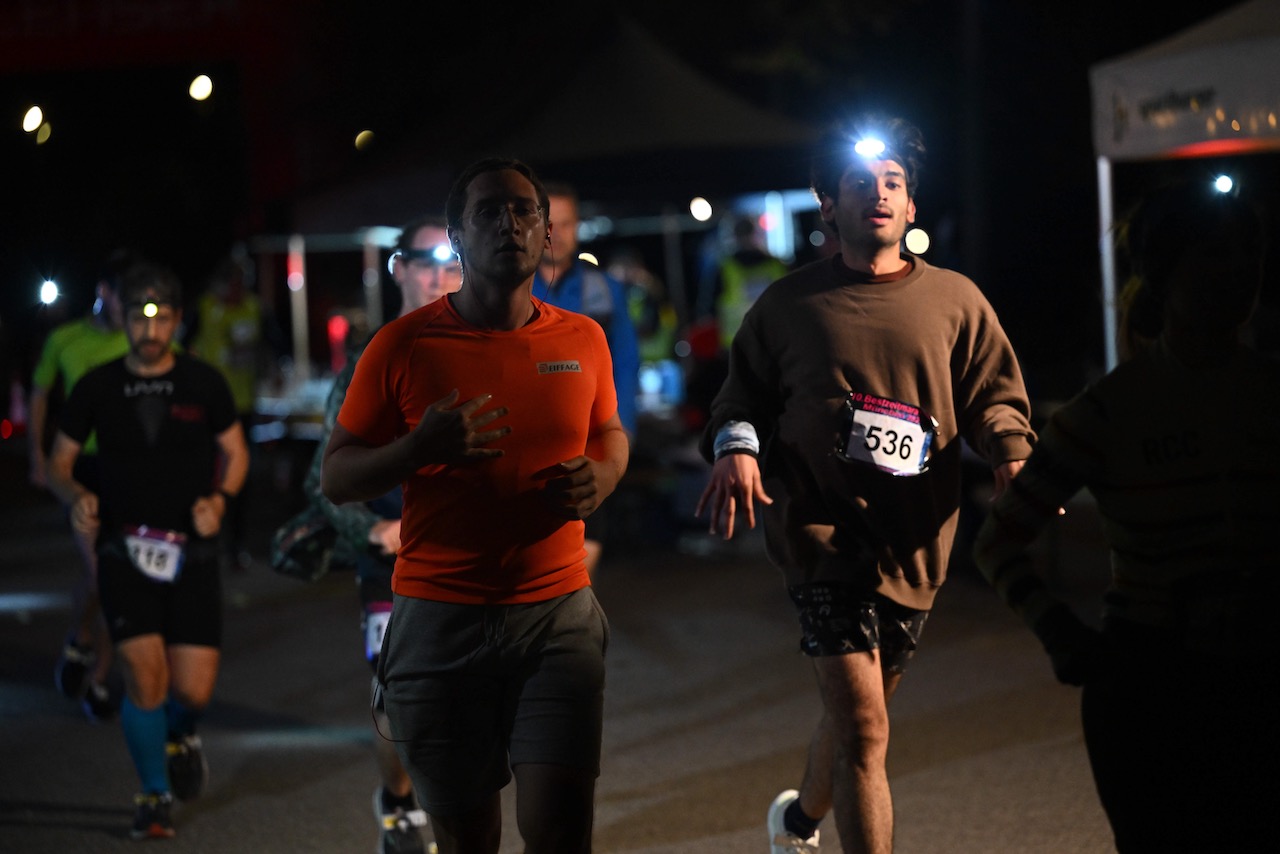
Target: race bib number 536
894, 437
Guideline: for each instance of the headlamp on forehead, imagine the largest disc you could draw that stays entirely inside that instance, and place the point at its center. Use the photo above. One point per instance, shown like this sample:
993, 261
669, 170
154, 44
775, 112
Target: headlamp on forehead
439, 255
147, 301
869, 147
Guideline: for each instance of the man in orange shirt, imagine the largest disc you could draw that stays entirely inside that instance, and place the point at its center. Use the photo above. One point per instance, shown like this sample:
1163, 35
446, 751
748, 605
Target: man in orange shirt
498, 415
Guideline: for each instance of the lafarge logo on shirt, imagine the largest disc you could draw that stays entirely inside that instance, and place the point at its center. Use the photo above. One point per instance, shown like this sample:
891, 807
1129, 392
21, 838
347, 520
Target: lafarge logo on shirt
560, 367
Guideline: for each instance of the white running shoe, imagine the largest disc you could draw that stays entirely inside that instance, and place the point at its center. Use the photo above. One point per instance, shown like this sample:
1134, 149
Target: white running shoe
781, 841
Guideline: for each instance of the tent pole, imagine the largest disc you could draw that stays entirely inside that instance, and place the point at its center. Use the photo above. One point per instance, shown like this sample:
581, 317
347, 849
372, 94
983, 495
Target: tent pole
297, 280
372, 280
673, 265
1106, 251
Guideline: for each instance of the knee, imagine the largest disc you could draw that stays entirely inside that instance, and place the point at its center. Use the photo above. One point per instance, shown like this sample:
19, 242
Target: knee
193, 697
147, 696
569, 835
147, 689
863, 734
479, 829
555, 808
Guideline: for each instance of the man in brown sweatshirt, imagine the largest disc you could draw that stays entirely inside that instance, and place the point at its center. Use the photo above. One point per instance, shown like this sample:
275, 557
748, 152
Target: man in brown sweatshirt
851, 382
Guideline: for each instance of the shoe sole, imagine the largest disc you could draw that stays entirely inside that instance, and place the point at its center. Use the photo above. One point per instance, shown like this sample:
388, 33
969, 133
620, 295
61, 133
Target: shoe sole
155, 831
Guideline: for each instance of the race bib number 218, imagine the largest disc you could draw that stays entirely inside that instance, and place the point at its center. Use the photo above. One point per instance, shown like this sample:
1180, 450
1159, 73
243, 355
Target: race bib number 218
156, 553
894, 437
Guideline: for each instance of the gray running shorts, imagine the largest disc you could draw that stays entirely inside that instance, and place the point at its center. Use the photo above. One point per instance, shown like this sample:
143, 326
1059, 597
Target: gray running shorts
472, 690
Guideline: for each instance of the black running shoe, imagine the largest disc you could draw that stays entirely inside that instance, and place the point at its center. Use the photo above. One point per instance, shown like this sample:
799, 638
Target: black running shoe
154, 817
188, 769
71, 673
98, 704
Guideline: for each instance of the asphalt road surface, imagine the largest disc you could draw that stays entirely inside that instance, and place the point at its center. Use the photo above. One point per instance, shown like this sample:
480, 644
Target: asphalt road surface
708, 710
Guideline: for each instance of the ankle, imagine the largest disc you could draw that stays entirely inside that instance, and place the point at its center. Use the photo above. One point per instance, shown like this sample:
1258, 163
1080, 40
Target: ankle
391, 801
797, 821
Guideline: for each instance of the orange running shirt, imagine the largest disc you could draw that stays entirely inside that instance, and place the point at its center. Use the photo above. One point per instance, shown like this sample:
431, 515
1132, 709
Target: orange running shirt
479, 532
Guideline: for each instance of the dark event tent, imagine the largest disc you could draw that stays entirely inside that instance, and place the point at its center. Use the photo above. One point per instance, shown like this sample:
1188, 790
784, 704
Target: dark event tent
632, 122
1210, 90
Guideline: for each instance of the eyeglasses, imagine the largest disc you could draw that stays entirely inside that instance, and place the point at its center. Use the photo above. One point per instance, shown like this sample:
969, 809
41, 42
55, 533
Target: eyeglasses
491, 213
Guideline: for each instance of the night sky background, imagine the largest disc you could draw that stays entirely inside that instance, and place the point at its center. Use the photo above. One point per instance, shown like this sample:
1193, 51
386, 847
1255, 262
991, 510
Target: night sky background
999, 87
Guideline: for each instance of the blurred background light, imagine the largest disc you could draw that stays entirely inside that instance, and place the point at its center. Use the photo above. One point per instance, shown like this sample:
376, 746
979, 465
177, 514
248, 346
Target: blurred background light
917, 241
33, 119
592, 228
1223, 183
337, 329
201, 87
364, 139
21, 604
700, 209
42, 135
650, 380
48, 291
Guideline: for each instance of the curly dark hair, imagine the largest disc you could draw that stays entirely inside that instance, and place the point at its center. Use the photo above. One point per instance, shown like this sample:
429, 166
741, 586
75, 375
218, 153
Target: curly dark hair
147, 281
834, 153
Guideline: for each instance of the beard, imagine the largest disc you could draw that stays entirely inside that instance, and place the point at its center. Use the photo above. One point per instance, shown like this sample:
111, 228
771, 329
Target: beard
873, 241
149, 351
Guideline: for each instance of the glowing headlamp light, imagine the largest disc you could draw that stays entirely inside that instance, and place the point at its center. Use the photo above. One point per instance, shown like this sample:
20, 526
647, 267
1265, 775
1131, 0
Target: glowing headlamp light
869, 147
440, 255
148, 304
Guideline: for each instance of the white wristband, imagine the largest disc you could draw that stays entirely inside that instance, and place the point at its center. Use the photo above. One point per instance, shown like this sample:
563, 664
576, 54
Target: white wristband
736, 436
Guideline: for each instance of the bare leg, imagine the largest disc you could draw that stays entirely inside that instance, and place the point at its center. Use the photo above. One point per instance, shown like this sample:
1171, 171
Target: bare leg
846, 768
146, 670
193, 671
90, 626
815, 788
555, 807
475, 832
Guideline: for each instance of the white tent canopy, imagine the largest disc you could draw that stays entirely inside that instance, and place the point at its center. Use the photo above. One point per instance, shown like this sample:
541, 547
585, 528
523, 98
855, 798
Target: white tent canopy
1210, 90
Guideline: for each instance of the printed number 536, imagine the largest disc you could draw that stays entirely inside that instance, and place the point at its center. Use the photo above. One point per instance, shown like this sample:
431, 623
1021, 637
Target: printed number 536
891, 443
